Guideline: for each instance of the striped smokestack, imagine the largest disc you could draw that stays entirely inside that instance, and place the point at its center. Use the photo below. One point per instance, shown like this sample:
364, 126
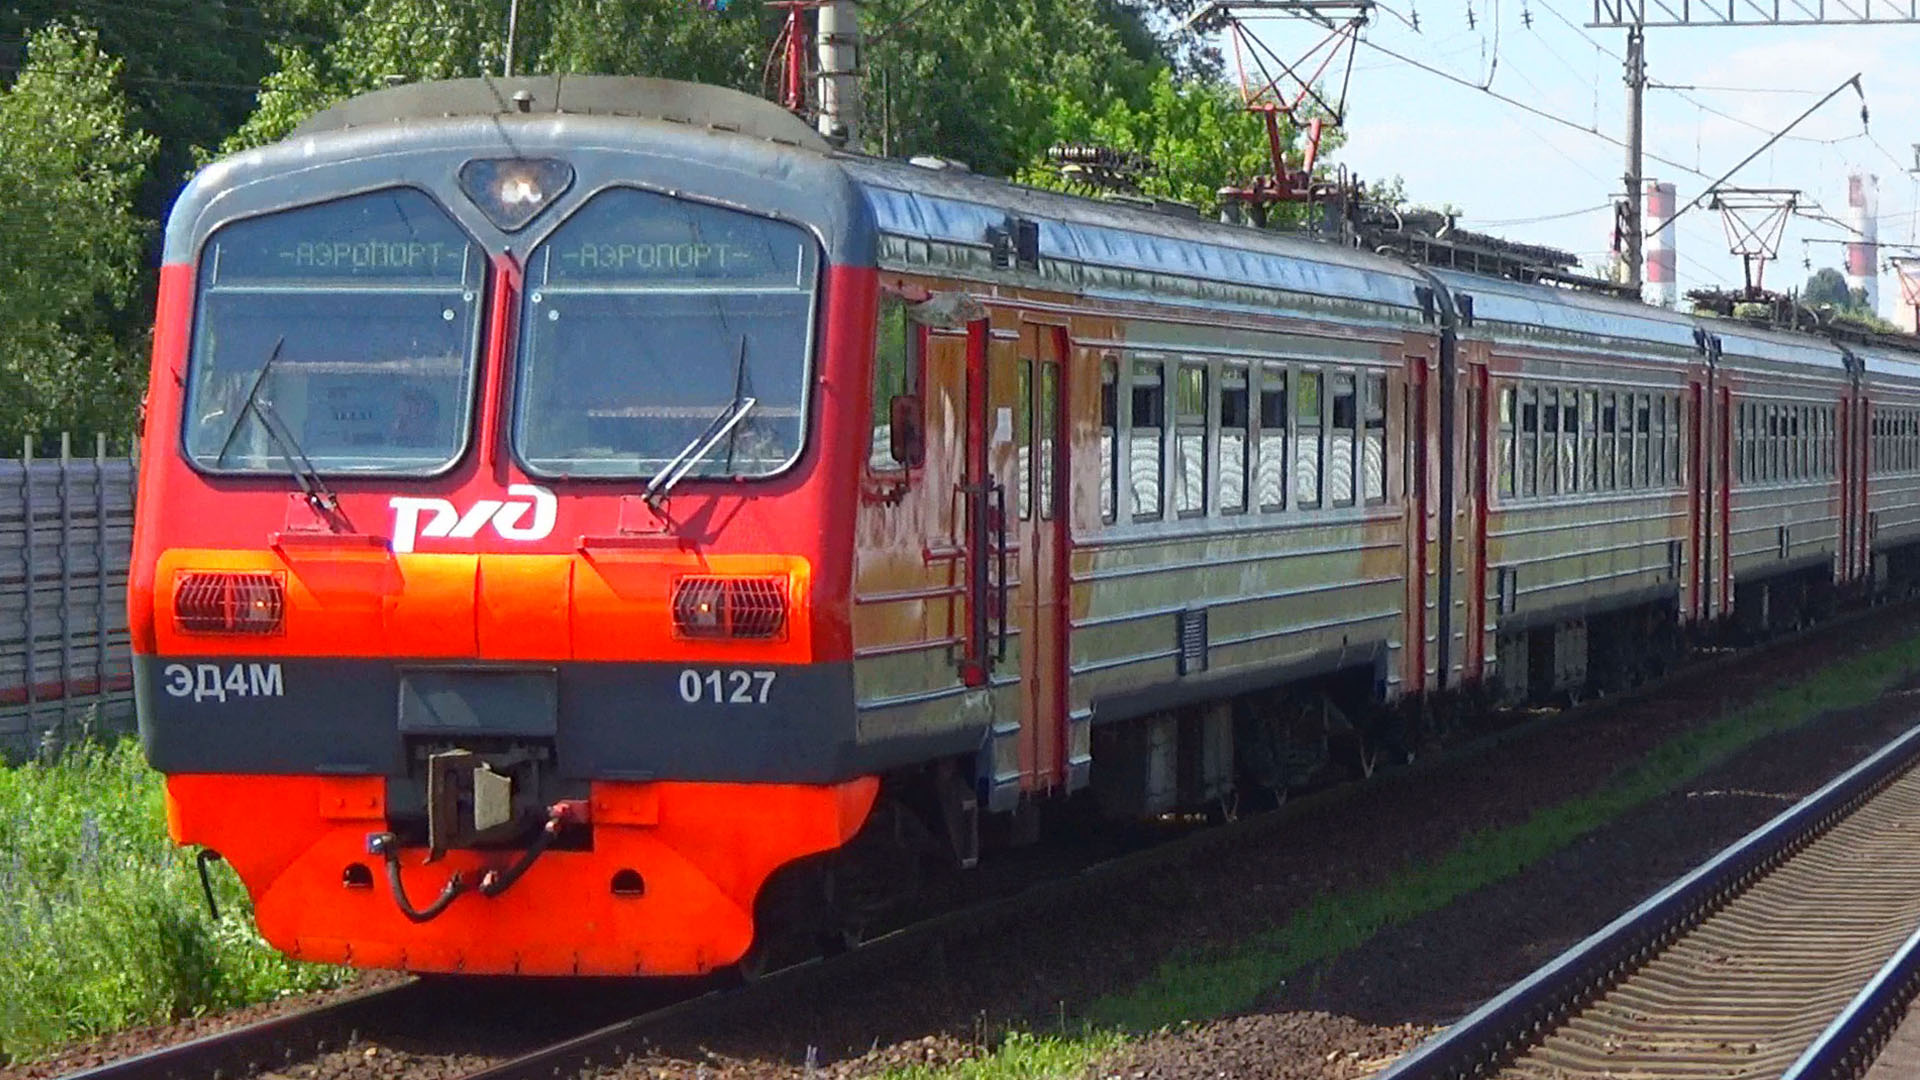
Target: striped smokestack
1660, 253
1863, 253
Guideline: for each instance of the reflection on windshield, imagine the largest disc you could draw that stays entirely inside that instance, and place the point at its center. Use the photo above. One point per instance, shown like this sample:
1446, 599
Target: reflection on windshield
647, 317
376, 300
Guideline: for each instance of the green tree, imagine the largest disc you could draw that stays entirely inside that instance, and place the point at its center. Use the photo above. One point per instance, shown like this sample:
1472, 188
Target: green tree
71, 243
1195, 131
982, 80
1827, 286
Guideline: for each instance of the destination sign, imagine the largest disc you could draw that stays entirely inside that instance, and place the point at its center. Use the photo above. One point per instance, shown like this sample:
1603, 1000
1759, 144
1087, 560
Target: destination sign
624, 234
395, 234
349, 255
666, 258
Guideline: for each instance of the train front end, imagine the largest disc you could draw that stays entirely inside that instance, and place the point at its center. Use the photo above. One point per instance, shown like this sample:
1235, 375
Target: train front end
488, 594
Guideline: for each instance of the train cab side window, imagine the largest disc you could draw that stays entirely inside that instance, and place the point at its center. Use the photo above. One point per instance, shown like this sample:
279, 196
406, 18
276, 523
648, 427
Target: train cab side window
1270, 475
1549, 441
1148, 411
1340, 446
1235, 426
898, 345
1306, 440
1504, 441
1109, 431
1190, 441
1529, 452
1373, 448
1589, 435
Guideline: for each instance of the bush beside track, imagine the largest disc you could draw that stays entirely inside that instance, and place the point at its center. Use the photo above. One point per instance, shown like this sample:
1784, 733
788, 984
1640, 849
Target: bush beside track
102, 921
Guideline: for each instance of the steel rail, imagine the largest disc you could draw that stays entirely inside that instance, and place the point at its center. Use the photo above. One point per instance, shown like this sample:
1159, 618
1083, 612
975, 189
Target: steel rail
1517, 1019
273, 1041
1850, 1043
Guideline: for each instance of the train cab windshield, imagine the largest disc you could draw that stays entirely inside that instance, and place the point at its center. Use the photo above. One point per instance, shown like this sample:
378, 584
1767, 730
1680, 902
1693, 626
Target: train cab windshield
348, 330
648, 323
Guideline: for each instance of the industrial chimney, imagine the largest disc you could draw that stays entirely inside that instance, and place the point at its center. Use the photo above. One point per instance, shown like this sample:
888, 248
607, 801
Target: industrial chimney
1863, 252
839, 45
1660, 251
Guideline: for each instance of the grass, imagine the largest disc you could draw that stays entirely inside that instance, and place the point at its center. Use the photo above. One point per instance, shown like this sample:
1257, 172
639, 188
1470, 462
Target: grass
102, 921
1200, 986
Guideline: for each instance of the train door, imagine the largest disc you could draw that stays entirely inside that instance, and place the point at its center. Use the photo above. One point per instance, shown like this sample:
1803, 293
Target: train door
1039, 536
1479, 429
1416, 469
1846, 470
1721, 478
1697, 518
1016, 495
989, 656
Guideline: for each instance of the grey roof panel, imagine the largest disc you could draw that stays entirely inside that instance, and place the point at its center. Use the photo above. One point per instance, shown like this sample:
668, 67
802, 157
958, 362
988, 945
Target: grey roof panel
958, 208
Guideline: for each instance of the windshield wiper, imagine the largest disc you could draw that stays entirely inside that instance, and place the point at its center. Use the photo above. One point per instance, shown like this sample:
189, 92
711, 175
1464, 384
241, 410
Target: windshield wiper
246, 404
702, 445
719, 428
299, 466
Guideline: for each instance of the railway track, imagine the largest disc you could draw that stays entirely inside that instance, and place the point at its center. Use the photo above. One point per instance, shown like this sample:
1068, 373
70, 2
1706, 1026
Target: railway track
1788, 955
580, 1027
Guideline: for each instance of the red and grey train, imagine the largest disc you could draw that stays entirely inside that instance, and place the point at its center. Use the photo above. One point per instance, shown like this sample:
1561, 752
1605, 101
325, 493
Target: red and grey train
572, 508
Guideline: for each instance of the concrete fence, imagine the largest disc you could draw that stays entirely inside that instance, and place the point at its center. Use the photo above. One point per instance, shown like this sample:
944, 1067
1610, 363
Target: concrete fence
66, 534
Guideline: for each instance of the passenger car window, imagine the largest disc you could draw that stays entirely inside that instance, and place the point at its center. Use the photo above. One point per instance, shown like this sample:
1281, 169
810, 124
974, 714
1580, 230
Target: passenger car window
1190, 441
1504, 442
1235, 425
1271, 478
1306, 439
1340, 449
1143, 440
1373, 449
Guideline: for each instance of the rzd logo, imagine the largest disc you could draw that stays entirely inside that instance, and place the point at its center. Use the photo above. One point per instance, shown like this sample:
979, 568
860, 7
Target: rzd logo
448, 521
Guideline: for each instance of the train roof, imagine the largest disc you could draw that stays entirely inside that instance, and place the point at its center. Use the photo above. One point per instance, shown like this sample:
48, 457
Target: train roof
949, 206
717, 108
946, 217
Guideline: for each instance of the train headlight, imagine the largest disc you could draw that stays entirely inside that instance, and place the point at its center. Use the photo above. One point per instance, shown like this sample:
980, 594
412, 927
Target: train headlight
512, 191
229, 602
730, 606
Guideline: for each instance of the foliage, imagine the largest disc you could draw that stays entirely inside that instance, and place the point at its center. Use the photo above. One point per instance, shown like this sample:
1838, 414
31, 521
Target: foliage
1829, 286
1202, 986
1195, 131
71, 163
1826, 290
102, 921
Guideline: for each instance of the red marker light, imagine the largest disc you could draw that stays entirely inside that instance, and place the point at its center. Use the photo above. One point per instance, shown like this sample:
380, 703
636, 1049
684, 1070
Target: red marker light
716, 606
229, 602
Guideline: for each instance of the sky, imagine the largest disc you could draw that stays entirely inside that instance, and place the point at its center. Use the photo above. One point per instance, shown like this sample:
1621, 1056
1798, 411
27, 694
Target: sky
1528, 178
